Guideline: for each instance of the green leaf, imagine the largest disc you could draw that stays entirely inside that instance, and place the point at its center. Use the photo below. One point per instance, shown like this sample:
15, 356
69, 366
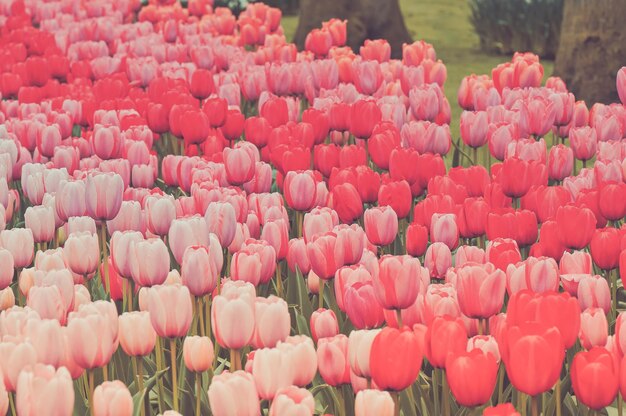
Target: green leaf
303, 297
140, 396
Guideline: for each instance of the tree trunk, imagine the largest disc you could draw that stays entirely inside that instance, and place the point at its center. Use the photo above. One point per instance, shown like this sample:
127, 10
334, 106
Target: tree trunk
592, 48
367, 19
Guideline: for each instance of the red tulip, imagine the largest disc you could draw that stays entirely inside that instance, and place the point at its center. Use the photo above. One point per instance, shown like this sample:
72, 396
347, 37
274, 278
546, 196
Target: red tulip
595, 377
395, 359
576, 225
364, 116
398, 196
416, 239
505, 409
612, 201
533, 356
347, 202
445, 336
471, 376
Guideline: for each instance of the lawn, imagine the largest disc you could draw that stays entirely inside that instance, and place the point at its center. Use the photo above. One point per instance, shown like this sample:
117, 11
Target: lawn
445, 24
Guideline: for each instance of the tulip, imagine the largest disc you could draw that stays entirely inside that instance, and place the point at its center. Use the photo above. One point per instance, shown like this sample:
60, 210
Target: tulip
185, 232
234, 393
472, 376
300, 190
537, 274
364, 116
201, 268
82, 253
373, 402
48, 340
272, 370
98, 323
395, 358
598, 365
240, 164
612, 201
103, 196
444, 229
221, 220
198, 353
576, 225
293, 401
170, 310
325, 255
17, 356
149, 262
445, 335
594, 328
255, 263
395, 284
438, 259
362, 307
40, 220
474, 127
504, 409
323, 324
112, 398
20, 243
137, 336
347, 202
480, 290
272, 322
533, 356
593, 291
359, 348
35, 387
232, 315
6, 268
160, 212
560, 162
332, 358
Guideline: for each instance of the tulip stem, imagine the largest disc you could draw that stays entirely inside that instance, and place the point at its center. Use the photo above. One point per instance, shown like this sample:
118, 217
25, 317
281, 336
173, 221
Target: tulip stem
105, 256
613, 281
235, 360
200, 315
445, 393
198, 392
159, 365
557, 393
105, 372
399, 318
500, 383
279, 281
139, 364
396, 403
475, 156
436, 390
174, 375
299, 219
620, 405
534, 406
91, 382
321, 293
208, 315
12, 403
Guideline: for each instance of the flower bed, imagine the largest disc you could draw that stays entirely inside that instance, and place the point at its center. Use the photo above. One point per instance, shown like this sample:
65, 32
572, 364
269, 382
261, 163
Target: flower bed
197, 218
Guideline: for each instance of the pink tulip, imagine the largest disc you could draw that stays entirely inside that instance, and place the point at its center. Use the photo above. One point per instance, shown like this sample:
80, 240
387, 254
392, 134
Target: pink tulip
621, 84
444, 229
272, 370
70, 200
16, 356
136, 334
480, 290
359, 346
254, 263
332, 358
474, 127
112, 398
374, 403
221, 220
40, 220
234, 394
185, 232
160, 212
276, 233
465, 254
201, 267
103, 195
232, 315
560, 162
486, 343
42, 390
317, 222
82, 253
75, 224
149, 261
594, 328
537, 274
395, 284
93, 334
381, 225
362, 306
121, 243
198, 353
272, 322
48, 302
323, 324
348, 276
6, 268
297, 256
593, 292
300, 190
325, 255
303, 356
170, 310
292, 401
7, 300
438, 259
19, 242
48, 339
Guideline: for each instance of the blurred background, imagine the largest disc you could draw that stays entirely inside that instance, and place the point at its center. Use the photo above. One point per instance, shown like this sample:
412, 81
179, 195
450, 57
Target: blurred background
582, 41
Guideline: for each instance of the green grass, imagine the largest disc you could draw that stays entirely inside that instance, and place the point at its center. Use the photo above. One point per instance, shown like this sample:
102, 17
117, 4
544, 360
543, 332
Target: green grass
446, 25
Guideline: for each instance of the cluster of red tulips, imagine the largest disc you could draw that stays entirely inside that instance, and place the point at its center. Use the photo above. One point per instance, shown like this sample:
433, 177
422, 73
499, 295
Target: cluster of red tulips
198, 219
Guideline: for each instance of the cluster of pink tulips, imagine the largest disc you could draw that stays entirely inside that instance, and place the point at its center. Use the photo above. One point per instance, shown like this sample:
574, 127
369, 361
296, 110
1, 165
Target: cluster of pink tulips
196, 218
